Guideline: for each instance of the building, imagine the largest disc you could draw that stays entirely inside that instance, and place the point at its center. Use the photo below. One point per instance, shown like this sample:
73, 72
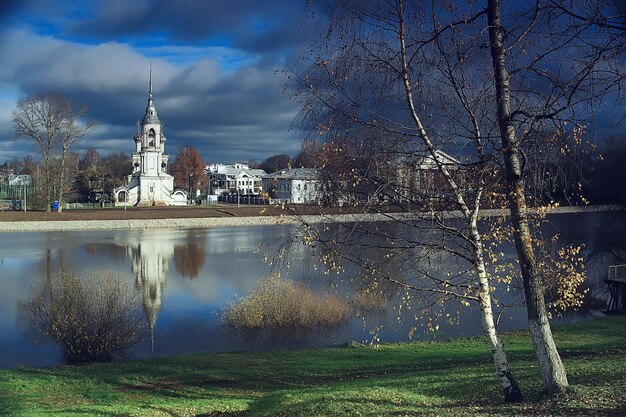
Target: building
237, 178
420, 178
295, 185
149, 184
19, 180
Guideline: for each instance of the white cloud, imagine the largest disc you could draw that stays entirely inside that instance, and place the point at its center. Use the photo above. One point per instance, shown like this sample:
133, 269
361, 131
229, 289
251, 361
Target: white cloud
236, 112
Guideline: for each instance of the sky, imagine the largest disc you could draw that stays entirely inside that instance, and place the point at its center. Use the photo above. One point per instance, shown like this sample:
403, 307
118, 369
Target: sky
216, 67
218, 71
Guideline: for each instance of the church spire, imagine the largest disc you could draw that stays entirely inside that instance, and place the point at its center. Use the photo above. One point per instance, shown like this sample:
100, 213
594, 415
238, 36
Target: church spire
151, 114
150, 90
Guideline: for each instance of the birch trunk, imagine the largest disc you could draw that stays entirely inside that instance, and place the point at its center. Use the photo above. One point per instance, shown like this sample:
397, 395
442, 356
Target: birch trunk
512, 392
62, 181
46, 164
550, 365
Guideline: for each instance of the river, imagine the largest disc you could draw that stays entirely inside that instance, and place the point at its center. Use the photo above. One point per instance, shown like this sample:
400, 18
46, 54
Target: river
186, 277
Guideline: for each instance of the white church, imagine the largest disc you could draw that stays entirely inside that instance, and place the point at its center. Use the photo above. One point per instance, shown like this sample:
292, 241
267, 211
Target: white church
149, 184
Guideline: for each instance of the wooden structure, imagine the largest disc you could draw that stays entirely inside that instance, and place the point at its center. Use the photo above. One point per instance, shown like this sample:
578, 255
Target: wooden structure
616, 281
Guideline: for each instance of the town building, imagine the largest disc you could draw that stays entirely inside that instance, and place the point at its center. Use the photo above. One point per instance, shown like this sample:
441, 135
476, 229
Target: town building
295, 186
237, 178
149, 184
19, 180
420, 178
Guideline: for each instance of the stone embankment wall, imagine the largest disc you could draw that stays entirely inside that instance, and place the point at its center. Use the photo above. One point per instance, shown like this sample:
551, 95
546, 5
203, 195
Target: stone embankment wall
201, 223
188, 223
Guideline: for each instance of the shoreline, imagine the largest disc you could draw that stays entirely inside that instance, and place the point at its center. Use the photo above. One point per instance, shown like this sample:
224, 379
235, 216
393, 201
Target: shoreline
237, 221
416, 378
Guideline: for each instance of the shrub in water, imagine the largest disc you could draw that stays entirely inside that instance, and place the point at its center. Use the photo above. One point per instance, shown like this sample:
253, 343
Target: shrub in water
94, 319
279, 302
370, 300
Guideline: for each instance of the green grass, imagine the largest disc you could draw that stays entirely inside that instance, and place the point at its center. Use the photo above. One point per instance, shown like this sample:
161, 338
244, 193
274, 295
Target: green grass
441, 378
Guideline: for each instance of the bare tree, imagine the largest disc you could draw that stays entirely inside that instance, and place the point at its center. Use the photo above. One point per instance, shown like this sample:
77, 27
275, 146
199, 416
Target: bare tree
424, 78
530, 47
361, 95
275, 163
64, 173
90, 159
309, 155
73, 127
53, 123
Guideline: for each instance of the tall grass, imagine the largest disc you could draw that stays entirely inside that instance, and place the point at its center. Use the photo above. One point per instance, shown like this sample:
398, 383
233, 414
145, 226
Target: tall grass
281, 303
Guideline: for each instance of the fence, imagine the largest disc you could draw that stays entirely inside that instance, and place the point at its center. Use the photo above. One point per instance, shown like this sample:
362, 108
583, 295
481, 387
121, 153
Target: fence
15, 192
243, 199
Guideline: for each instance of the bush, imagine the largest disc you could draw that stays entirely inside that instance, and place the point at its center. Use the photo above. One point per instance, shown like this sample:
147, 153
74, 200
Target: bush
282, 303
95, 319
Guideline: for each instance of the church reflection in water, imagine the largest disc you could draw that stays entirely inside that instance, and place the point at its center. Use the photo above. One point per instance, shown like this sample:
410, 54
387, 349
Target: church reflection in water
150, 266
151, 257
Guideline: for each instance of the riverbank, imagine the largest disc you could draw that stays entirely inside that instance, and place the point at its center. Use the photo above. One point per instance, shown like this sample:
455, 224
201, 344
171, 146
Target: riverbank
217, 216
452, 378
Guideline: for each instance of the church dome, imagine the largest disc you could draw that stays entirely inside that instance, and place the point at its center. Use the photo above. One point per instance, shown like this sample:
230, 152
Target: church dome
151, 114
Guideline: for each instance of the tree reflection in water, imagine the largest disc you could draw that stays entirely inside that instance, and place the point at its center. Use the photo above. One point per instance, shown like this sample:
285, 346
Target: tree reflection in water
189, 259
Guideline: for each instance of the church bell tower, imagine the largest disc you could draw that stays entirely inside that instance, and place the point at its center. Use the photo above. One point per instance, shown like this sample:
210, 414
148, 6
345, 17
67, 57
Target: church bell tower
149, 183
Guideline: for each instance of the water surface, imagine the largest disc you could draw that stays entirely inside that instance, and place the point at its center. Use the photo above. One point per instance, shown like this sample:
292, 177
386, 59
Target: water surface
186, 277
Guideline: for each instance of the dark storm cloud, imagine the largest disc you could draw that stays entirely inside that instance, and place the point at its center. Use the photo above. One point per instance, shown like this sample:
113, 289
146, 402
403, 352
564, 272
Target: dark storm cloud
230, 115
7, 7
253, 25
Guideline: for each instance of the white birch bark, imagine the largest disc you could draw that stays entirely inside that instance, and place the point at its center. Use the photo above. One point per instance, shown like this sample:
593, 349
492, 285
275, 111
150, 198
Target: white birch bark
511, 390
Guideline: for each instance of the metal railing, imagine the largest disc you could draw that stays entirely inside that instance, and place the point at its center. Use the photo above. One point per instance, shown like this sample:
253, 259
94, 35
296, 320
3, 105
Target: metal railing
617, 273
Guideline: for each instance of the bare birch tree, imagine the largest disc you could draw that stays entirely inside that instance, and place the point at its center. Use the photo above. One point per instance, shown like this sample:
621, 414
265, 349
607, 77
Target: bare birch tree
362, 95
436, 77
551, 62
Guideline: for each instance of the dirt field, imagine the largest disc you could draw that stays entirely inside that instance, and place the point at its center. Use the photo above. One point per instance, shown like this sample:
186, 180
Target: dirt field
169, 212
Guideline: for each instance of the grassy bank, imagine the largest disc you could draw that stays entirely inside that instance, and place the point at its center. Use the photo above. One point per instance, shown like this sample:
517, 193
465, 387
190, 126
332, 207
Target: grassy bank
443, 378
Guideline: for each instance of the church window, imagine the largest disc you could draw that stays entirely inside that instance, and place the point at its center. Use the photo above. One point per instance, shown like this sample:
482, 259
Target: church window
151, 135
